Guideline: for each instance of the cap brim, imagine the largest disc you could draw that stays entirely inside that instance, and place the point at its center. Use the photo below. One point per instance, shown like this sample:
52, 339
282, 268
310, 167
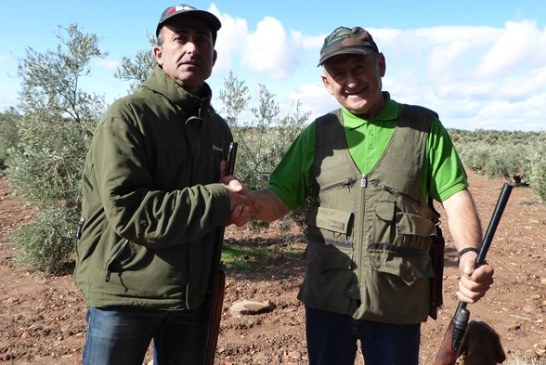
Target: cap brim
347, 50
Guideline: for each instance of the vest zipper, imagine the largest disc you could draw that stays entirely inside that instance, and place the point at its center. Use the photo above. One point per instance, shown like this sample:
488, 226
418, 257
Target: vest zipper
350, 181
361, 252
364, 181
377, 184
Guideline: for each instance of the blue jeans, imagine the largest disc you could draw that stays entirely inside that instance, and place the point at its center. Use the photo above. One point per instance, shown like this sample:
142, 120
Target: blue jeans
332, 340
116, 337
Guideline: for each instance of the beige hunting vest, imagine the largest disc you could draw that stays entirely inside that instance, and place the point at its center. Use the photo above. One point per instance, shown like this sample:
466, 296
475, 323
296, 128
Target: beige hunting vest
370, 235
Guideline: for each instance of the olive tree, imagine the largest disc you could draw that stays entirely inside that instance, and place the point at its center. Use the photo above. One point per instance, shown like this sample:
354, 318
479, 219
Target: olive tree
53, 137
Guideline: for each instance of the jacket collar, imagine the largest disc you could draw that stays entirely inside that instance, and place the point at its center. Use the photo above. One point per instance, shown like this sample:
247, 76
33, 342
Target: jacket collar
163, 84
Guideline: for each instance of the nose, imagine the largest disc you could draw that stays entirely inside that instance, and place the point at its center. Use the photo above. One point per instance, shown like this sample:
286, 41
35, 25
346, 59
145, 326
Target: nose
351, 80
190, 46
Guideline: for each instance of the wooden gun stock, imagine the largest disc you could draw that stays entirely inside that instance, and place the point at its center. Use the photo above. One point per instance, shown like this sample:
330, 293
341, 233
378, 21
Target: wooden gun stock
215, 301
456, 331
453, 339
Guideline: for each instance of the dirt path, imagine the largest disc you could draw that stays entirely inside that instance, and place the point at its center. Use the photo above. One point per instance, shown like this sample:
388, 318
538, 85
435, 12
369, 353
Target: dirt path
42, 317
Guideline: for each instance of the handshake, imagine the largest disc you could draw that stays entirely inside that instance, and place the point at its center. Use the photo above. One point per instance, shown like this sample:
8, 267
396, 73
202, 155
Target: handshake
263, 205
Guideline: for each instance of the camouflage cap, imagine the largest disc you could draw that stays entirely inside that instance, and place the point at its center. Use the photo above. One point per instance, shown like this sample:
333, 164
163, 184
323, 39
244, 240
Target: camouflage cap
345, 40
189, 11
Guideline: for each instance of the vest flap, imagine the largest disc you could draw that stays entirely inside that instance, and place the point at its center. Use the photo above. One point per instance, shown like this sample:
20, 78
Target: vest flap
331, 219
416, 225
385, 211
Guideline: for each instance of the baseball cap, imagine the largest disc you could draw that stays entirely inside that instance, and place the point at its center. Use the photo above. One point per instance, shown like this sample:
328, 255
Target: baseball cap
345, 40
189, 11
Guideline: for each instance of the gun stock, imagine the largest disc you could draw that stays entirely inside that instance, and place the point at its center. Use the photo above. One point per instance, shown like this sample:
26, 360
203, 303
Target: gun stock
217, 284
456, 331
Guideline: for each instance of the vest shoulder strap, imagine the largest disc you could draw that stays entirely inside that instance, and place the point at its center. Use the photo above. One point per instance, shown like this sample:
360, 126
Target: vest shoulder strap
417, 117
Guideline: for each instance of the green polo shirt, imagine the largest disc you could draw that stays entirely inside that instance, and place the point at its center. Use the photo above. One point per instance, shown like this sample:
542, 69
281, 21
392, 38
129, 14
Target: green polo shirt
367, 140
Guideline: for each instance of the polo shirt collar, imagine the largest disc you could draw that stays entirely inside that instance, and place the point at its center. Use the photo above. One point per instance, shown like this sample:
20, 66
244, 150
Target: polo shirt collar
389, 113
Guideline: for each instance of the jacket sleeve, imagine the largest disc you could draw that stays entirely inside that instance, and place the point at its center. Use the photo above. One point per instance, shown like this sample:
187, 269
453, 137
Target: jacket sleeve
136, 210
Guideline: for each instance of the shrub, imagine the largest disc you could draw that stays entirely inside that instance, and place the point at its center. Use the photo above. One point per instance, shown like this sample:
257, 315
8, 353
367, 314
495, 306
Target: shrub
46, 242
538, 174
54, 133
9, 135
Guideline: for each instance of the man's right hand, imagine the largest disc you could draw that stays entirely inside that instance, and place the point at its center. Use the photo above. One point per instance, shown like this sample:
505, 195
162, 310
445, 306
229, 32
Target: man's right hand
241, 203
267, 205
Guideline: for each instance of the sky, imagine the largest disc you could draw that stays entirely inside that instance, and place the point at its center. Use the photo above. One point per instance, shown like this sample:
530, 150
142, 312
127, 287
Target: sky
480, 64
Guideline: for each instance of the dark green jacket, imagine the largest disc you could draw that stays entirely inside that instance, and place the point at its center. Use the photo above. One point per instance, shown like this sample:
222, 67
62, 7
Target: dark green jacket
151, 199
370, 235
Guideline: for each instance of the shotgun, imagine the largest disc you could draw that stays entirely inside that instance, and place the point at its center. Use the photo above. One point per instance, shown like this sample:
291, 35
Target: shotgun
215, 301
453, 339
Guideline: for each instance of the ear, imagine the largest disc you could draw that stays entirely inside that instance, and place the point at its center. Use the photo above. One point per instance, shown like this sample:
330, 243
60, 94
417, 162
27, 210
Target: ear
500, 356
382, 64
214, 56
158, 54
326, 83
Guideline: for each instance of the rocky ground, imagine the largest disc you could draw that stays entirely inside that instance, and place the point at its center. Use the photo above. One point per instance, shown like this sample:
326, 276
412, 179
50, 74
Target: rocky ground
42, 317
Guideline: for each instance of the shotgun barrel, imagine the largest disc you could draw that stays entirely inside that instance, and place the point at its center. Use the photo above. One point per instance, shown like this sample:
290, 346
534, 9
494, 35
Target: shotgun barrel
215, 300
456, 331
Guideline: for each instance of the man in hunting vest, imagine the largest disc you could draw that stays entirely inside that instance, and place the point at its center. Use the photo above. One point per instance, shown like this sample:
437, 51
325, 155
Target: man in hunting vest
369, 171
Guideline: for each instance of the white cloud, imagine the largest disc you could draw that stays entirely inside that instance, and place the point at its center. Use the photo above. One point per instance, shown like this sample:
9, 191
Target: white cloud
8, 99
271, 51
107, 64
475, 77
521, 44
314, 98
230, 40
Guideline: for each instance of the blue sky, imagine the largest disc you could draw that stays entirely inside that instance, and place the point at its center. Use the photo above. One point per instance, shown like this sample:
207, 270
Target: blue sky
479, 64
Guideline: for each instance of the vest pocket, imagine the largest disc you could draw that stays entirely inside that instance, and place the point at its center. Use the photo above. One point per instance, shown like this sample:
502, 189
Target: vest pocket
400, 269
328, 279
329, 258
400, 244
330, 226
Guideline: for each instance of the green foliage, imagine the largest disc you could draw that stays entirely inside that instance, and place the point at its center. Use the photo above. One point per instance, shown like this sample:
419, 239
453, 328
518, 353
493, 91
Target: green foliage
538, 173
493, 152
47, 242
265, 138
51, 80
46, 164
241, 257
521, 154
138, 69
9, 134
53, 136
493, 159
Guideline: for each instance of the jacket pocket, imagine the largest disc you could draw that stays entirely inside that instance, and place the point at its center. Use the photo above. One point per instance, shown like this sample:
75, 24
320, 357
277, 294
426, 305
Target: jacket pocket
113, 265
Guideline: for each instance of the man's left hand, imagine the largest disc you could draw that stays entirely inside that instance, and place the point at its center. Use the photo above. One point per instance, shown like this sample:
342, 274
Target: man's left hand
474, 282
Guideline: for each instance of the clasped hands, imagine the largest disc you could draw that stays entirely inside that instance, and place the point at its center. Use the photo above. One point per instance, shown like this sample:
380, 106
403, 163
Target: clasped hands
241, 201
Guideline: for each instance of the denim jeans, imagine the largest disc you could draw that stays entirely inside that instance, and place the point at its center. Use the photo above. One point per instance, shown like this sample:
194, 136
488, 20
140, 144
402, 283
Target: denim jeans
118, 337
332, 340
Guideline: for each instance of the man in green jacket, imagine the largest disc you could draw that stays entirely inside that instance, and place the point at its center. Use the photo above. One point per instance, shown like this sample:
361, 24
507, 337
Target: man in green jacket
369, 170
154, 197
